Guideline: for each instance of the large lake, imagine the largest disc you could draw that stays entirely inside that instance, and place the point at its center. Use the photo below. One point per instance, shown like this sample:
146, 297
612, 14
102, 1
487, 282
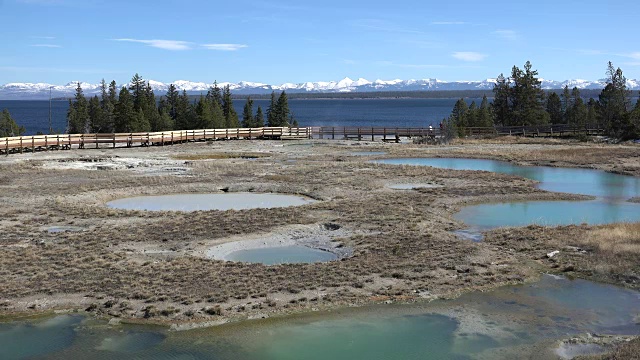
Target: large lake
34, 115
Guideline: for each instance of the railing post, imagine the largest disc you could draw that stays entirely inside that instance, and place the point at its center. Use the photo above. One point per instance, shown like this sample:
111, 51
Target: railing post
20, 144
373, 134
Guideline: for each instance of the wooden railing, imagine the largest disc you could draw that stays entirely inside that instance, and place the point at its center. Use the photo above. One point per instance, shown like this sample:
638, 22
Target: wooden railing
67, 141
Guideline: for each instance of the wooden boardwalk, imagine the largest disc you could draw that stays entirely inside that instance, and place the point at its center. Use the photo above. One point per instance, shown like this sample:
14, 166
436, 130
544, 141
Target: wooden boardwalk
20, 144
394, 134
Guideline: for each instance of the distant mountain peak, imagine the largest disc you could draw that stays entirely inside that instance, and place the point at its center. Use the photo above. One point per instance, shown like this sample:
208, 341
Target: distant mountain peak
41, 90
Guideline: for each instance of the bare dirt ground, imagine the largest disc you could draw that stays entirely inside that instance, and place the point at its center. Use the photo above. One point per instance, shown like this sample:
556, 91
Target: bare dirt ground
139, 265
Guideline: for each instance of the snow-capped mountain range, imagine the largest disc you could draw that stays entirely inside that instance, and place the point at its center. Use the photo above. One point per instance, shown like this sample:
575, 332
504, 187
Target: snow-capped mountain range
19, 91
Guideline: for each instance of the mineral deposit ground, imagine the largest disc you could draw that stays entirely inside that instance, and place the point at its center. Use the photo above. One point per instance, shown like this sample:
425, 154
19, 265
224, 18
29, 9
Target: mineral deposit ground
63, 248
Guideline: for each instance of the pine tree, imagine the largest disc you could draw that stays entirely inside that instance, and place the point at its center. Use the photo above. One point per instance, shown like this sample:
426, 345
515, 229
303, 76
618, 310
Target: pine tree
139, 122
578, 113
271, 110
97, 119
165, 122
185, 117
172, 98
8, 126
566, 105
614, 103
230, 115
78, 114
634, 121
247, 114
204, 113
259, 119
138, 91
214, 95
151, 112
472, 114
124, 112
458, 117
107, 102
527, 97
592, 112
485, 118
500, 105
282, 110
554, 108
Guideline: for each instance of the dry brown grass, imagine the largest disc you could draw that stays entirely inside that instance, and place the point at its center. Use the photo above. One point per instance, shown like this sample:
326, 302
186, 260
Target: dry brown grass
616, 239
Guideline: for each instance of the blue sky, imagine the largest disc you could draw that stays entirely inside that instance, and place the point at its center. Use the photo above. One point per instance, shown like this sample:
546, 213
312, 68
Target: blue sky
57, 41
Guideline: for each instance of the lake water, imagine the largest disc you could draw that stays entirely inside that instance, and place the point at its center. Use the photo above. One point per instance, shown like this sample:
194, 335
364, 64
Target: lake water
281, 255
34, 115
203, 202
611, 190
511, 322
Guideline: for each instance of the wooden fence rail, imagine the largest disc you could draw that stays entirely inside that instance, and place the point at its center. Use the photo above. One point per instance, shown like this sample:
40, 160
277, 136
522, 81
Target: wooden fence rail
20, 144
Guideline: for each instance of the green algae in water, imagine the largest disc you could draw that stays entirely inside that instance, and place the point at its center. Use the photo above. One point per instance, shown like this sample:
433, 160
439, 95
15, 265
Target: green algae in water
25, 340
282, 255
506, 323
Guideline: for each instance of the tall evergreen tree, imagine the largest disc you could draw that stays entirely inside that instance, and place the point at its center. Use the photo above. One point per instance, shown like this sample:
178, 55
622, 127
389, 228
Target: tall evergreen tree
485, 118
458, 117
592, 112
165, 122
137, 86
139, 122
578, 113
282, 110
554, 108
567, 106
259, 119
614, 103
500, 105
527, 97
214, 95
151, 112
472, 114
107, 102
204, 113
124, 112
8, 126
247, 114
78, 114
271, 110
230, 114
97, 117
171, 103
186, 118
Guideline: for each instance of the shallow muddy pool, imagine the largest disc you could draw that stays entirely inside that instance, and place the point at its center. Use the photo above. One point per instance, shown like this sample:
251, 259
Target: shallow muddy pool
282, 255
510, 322
199, 202
576, 181
549, 213
611, 190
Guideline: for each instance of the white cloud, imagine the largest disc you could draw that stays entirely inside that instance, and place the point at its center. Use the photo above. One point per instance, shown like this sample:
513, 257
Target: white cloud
506, 34
468, 56
224, 47
43, 37
635, 55
174, 45
448, 23
46, 45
